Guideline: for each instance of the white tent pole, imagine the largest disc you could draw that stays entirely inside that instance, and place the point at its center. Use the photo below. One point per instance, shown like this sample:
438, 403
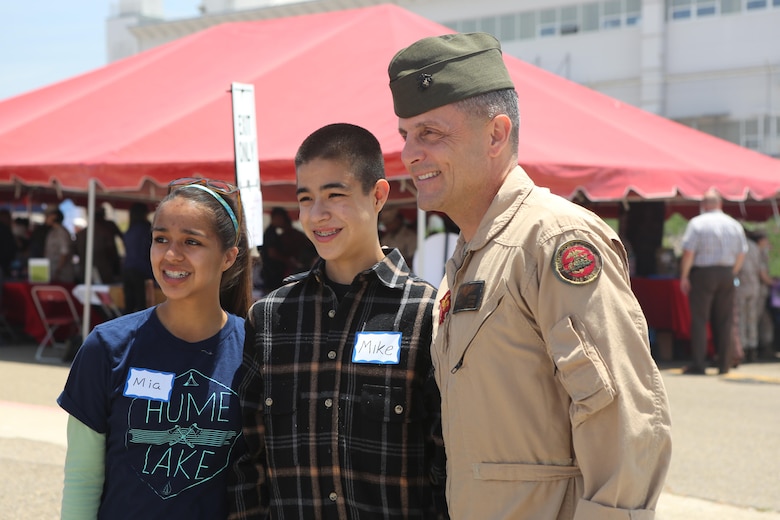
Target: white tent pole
85, 321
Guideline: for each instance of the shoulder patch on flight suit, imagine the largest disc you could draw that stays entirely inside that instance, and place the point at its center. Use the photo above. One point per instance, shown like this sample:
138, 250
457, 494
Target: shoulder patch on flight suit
577, 262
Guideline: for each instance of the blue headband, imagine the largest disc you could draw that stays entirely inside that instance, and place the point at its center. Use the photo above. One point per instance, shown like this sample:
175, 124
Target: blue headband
219, 199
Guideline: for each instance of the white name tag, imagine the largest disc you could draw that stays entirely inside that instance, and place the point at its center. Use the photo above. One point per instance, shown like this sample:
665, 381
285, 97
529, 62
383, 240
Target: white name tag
377, 347
149, 384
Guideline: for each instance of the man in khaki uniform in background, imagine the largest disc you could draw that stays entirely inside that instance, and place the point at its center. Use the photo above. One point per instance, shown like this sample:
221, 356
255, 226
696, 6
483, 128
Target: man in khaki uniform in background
552, 406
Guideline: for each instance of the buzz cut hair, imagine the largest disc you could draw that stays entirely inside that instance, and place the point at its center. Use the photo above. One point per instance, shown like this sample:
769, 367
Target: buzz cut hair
352, 144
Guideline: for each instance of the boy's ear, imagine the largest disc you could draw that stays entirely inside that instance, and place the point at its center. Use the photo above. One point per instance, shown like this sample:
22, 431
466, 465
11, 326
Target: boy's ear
381, 193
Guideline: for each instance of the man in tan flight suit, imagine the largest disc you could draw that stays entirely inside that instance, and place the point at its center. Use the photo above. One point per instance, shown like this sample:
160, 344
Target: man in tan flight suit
552, 405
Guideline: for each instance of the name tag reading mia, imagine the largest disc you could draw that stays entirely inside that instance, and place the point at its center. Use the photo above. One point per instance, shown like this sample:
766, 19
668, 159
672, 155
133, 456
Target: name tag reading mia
383, 348
149, 384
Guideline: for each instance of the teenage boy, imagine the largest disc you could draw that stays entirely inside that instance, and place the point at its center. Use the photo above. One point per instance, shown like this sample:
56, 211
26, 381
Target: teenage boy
340, 409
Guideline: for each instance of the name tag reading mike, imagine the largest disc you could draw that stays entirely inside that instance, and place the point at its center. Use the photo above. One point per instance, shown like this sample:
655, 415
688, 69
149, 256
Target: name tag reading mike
382, 348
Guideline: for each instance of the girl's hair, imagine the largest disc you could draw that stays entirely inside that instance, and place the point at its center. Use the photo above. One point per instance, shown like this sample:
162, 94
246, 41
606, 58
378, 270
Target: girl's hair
235, 291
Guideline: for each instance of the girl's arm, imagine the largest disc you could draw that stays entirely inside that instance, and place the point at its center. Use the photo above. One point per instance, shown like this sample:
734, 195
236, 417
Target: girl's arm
84, 471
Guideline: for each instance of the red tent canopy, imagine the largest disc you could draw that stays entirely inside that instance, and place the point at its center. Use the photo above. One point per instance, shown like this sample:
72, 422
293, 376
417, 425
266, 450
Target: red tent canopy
136, 124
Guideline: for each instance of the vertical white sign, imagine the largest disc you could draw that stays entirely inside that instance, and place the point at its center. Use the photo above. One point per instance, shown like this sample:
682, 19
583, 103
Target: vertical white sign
246, 160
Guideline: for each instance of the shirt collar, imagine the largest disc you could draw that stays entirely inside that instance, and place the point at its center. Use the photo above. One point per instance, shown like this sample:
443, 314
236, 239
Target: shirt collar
392, 270
506, 203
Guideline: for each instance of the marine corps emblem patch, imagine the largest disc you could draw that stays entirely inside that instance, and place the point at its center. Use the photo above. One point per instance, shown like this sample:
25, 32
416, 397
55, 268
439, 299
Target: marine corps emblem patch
577, 262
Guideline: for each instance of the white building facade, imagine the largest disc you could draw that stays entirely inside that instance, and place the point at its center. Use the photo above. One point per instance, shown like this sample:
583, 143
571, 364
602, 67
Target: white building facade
710, 64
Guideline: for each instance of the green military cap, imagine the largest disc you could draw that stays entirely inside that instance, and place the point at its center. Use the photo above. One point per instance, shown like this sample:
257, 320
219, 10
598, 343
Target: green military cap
440, 70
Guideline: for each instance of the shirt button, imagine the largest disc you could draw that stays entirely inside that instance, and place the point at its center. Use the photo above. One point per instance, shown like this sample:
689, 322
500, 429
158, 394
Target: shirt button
328, 402
269, 401
332, 354
333, 497
399, 409
331, 313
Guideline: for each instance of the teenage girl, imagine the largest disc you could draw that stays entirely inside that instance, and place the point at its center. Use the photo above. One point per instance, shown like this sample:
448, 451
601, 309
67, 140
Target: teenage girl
154, 421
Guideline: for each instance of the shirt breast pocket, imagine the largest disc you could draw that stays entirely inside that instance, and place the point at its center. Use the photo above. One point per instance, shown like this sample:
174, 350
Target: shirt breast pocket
388, 404
280, 399
281, 424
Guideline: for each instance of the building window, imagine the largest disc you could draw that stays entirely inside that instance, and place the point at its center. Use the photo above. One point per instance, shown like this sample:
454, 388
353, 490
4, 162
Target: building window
570, 19
467, 26
507, 27
559, 21
680, 10
730, 6
591, 15
488, 25
756, 4
613, 14
633, 12
751, 134
527, 25
772, 132
548, 22
706, 8
760, 133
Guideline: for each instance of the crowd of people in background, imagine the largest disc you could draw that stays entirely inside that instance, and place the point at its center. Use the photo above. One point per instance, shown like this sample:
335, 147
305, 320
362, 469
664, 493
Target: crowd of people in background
753, 309
285, 251
107, 266
117, 257
121, 257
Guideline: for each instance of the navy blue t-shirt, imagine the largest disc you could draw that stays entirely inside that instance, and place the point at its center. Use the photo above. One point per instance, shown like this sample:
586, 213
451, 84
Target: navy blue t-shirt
167, 407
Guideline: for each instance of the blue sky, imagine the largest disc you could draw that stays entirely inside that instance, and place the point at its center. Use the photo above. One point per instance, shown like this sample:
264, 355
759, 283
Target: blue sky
46, 41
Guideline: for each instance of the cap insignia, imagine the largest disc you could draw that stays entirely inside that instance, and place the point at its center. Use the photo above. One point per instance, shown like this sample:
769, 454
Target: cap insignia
424, 81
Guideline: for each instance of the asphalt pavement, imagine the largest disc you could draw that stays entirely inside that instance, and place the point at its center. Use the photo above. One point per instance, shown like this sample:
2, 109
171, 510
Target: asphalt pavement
725, 462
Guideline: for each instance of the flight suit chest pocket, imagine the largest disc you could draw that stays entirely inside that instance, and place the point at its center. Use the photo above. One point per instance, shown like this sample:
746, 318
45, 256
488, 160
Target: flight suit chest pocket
387, 404
465, 326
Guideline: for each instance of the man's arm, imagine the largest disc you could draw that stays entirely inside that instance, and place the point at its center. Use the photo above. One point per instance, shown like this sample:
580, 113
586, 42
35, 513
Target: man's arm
623, 448
738, 264
685, 270
619, 414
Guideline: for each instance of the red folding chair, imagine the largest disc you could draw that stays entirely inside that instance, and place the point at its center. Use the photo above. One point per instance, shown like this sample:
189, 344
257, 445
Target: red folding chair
58, 313
110, 308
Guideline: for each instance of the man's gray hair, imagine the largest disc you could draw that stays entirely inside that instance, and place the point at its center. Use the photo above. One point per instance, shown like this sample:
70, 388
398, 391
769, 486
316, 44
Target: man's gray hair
490, 104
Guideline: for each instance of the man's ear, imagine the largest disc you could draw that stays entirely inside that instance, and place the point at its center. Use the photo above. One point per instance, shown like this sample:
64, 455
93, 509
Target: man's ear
500, 128
380, 194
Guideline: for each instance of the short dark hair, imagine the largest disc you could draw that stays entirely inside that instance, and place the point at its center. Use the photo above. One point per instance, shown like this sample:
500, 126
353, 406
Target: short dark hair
352, 144
59, 216
139, 212
278, 211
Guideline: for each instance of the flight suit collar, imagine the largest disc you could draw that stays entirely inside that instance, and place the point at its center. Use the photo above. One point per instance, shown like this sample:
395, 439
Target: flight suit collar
505, 205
